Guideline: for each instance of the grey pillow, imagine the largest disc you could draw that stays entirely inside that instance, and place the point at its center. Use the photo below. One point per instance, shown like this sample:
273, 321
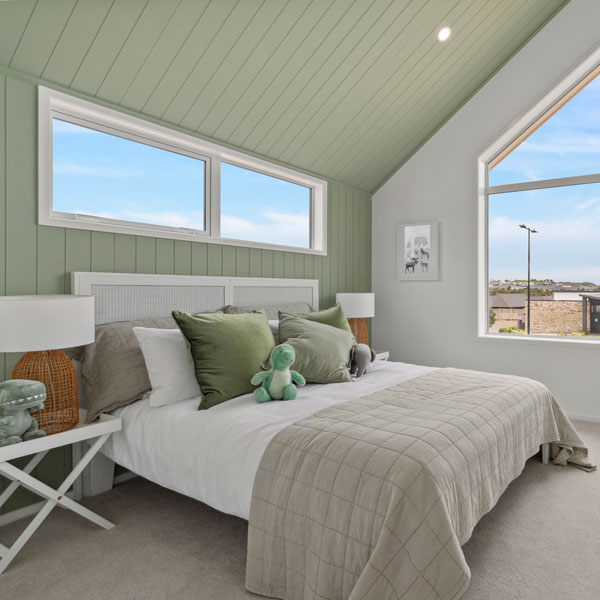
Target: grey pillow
322, 351
113, 370
271, 311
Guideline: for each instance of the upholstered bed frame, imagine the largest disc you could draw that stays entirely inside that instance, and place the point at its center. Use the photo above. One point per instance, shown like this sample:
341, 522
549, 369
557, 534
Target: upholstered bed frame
129, 297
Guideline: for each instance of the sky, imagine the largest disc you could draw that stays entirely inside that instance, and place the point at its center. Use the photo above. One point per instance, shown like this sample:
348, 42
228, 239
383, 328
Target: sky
567, 246
103, 175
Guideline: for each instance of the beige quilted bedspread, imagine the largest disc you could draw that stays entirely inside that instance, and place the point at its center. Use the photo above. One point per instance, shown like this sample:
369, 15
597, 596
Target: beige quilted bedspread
373, 498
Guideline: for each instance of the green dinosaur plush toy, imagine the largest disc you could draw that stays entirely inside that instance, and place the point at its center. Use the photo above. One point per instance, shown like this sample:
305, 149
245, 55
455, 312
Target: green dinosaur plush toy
278, 381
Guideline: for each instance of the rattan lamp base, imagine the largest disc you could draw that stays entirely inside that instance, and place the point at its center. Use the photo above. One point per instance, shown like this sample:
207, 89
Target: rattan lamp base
360, 331
56, 371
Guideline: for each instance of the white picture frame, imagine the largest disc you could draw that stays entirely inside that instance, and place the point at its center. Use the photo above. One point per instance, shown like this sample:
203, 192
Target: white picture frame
418, 252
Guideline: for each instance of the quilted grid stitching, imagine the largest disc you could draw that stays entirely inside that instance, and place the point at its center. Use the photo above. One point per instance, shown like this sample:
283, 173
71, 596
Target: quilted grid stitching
409, 445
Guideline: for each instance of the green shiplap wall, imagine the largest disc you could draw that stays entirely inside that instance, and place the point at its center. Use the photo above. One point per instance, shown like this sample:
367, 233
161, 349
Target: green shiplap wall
35, 259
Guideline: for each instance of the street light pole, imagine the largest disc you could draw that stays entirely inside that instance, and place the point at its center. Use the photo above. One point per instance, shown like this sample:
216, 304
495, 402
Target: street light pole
529, 232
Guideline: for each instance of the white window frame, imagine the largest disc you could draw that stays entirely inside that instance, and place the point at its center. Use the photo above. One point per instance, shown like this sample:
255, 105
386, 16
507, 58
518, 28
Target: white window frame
484, 190
54, 104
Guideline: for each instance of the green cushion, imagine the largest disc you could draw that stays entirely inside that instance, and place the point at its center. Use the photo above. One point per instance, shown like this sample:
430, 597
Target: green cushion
227, 351
322, 351
333, 316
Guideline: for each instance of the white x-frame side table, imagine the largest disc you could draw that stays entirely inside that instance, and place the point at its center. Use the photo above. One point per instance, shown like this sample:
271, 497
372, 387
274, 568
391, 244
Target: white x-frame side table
100, 429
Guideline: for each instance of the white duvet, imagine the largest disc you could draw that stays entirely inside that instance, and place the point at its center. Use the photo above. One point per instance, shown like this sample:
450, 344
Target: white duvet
213, 455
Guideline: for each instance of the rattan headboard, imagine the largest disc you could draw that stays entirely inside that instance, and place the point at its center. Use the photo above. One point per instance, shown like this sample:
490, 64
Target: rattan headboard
128, 296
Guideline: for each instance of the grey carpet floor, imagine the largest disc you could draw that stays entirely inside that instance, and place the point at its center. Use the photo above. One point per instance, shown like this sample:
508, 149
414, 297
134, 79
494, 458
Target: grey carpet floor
541, 542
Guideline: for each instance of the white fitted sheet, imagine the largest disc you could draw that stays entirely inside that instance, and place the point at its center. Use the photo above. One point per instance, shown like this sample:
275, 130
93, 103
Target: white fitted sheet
213, 455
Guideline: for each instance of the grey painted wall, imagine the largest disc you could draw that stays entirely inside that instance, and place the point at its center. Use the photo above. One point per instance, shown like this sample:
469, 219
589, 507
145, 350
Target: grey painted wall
440, 183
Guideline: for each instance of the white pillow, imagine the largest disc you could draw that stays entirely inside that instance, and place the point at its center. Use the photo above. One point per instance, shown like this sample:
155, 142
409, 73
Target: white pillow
274, 325
169, 364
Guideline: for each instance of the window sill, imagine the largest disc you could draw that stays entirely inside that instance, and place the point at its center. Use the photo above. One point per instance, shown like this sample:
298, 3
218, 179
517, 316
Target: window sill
539, 340
158, 232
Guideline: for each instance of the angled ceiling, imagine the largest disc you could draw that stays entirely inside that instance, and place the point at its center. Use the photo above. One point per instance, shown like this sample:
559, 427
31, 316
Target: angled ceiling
346, 89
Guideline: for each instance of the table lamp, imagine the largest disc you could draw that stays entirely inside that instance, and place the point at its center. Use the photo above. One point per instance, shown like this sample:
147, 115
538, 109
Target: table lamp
39, 326
357, 307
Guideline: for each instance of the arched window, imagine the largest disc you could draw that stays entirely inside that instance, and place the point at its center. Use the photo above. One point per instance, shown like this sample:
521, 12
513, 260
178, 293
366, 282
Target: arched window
539, 219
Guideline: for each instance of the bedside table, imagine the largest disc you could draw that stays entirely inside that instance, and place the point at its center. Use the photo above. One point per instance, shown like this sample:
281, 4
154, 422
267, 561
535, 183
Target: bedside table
382, 354
101, 429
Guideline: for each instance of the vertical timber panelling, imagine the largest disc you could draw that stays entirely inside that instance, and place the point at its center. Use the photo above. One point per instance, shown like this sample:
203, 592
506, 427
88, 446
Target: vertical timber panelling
38, 260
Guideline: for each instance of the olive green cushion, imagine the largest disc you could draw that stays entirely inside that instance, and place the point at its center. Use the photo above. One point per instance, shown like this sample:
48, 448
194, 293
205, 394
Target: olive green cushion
322, 351
227, 351
333, 316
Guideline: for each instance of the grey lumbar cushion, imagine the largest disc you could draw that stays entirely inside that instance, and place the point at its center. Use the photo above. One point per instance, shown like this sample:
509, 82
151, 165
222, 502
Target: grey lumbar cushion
113, 370
271, 311
322, 351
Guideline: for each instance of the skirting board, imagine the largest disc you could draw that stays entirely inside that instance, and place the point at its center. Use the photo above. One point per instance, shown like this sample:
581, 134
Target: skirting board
589, 418
124, 477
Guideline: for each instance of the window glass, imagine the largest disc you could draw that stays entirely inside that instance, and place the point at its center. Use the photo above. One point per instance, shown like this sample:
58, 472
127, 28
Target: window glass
260, 208
565, 258
567, 144
99, 174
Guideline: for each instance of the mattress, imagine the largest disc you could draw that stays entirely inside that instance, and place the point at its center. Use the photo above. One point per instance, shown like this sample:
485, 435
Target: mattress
213, 455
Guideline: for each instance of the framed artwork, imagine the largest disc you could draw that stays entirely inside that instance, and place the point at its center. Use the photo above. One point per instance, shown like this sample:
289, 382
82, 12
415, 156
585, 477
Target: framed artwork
418, 252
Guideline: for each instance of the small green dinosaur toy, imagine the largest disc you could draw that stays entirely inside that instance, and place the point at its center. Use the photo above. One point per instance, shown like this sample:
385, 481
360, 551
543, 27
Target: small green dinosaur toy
277, 382
18, 399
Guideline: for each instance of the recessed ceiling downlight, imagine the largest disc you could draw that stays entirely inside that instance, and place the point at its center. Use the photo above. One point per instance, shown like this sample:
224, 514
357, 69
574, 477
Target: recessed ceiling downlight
444, 34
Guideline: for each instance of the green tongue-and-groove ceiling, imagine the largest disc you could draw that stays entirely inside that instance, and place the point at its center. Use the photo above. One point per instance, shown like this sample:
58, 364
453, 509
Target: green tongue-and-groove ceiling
346, 89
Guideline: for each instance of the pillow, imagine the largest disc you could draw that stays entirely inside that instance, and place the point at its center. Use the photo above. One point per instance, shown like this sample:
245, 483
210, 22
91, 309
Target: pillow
333, 316
169, 365
274, 325
322, 351
272, 311
113, 370
228, 350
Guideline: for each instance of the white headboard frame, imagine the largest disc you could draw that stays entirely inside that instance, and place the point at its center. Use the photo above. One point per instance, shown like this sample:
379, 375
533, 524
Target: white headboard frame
133, 296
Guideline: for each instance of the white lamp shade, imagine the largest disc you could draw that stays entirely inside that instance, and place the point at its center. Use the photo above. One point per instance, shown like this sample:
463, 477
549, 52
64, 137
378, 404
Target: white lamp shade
31, 323
357, 306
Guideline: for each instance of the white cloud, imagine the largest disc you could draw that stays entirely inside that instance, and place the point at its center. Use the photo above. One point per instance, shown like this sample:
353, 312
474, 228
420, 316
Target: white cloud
277, 228
562, 250
193, 220
586, 204
67, 168
561, 144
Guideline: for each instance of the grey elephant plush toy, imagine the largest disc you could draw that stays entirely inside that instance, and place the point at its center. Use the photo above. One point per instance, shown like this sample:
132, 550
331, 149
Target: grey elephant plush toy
360, 356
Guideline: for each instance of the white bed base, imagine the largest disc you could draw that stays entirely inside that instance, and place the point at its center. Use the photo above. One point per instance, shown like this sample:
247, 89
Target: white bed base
129, 297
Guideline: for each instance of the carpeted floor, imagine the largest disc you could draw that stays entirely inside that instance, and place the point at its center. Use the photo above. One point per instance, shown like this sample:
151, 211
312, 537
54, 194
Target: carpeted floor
541, 542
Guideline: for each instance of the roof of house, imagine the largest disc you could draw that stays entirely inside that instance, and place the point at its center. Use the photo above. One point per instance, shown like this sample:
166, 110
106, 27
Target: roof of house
591, 296
507, 301
346, 90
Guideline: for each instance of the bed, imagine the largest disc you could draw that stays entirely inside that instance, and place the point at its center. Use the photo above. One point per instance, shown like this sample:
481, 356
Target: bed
353, 490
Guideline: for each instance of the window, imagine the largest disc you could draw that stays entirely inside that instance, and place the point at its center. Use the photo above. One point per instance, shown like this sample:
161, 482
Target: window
540, 217
106, 171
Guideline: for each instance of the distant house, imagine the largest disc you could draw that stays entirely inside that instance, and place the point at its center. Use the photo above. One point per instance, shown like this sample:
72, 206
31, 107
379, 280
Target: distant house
509, 310
566, 296
590, 312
